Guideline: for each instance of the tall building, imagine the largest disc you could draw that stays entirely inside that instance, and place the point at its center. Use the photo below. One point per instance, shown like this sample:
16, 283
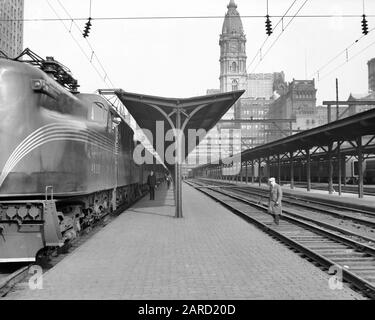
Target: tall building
11, 27
298, 101
232, 52
254, 102
260, 93
354, 109
371, 75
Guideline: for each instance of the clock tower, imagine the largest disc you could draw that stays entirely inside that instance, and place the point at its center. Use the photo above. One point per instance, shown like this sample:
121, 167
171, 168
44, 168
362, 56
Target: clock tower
233, 75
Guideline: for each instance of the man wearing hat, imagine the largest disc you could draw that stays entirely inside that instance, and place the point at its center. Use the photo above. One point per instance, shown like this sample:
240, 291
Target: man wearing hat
274, 205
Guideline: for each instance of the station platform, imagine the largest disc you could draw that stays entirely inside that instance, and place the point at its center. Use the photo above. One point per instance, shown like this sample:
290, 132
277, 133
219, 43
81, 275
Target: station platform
347, 199
146, 253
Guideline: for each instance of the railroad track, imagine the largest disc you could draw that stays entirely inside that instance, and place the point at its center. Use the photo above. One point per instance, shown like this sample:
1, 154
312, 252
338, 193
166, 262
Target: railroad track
360, 216
360, 228
368, 191
325, 247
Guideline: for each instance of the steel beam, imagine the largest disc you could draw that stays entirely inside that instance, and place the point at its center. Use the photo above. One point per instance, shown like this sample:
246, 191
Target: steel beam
350, 103
256, 120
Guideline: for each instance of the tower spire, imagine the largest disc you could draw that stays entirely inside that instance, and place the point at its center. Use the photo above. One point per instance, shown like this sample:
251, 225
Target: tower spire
232, 51
232, 5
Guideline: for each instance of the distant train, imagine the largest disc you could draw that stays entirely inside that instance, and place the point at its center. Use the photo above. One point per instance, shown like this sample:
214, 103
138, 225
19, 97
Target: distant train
66, 160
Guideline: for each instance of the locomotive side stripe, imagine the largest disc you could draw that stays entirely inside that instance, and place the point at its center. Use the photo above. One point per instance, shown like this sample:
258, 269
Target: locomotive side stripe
14, 156
30, 147
56, 132
43, 130
4, 174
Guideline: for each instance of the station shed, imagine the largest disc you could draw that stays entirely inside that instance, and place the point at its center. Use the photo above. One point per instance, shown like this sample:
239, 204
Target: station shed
337, 141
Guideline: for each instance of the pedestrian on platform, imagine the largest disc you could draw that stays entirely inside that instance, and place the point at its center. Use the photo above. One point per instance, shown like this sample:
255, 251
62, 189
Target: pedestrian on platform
151, 181
274, 204
168, 180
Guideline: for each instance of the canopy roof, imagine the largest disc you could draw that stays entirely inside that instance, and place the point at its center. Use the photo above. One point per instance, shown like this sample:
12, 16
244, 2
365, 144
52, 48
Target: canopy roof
201, 112
348, 128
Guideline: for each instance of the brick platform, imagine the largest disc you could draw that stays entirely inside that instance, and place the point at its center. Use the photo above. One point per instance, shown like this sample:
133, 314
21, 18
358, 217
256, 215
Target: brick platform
209, 254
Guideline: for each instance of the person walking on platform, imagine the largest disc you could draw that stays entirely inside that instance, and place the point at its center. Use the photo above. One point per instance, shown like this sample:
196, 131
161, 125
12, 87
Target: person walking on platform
274, 204
168, 181
151, 181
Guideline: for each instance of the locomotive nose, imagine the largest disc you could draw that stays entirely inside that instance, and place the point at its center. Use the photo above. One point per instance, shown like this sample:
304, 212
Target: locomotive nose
16, 108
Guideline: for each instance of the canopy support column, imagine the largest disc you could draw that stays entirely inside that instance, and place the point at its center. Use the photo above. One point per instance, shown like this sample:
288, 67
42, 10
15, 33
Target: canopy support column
339, 166
260, 172
330, 169
247, 173
360, 167
308, 169
278, 170
291, 171
252, 171
178, 213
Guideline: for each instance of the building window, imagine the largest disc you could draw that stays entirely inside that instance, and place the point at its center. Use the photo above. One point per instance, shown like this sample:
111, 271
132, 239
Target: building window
234, 67
234, 85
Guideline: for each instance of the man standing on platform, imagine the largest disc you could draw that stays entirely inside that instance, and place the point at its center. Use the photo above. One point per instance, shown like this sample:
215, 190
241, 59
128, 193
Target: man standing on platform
274, 204
151, 181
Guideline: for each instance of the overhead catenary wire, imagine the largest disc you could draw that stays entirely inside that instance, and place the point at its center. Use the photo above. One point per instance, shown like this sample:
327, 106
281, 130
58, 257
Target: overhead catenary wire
79, 45
280, 34
344, 51
259, 51
345, 62
93, 54
306, 16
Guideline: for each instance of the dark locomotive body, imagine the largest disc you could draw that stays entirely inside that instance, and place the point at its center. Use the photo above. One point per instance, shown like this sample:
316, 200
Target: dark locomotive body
65, 160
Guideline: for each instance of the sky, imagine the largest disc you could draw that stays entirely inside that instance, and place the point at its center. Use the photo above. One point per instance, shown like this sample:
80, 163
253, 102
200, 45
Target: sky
180, 57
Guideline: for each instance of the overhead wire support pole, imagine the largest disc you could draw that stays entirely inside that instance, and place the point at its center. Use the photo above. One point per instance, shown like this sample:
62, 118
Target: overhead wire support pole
337, 99
178, 183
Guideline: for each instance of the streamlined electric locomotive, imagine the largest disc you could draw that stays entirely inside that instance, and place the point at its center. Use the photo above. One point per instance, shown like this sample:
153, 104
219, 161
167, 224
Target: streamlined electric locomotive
65, 158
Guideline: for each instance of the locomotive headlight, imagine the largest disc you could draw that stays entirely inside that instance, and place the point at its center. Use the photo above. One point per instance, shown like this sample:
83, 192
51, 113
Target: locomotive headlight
41, 86
37, 84
116, 120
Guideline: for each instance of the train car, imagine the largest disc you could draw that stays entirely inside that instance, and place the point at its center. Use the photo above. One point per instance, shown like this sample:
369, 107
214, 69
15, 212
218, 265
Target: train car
368, 170
319, 171
65, 160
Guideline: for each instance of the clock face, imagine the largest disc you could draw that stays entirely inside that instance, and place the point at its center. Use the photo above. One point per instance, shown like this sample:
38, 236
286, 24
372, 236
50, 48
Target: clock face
233, 46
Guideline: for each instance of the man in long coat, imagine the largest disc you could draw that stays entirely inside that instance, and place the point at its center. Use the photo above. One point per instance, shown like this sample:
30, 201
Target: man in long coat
151, 181
274, 205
